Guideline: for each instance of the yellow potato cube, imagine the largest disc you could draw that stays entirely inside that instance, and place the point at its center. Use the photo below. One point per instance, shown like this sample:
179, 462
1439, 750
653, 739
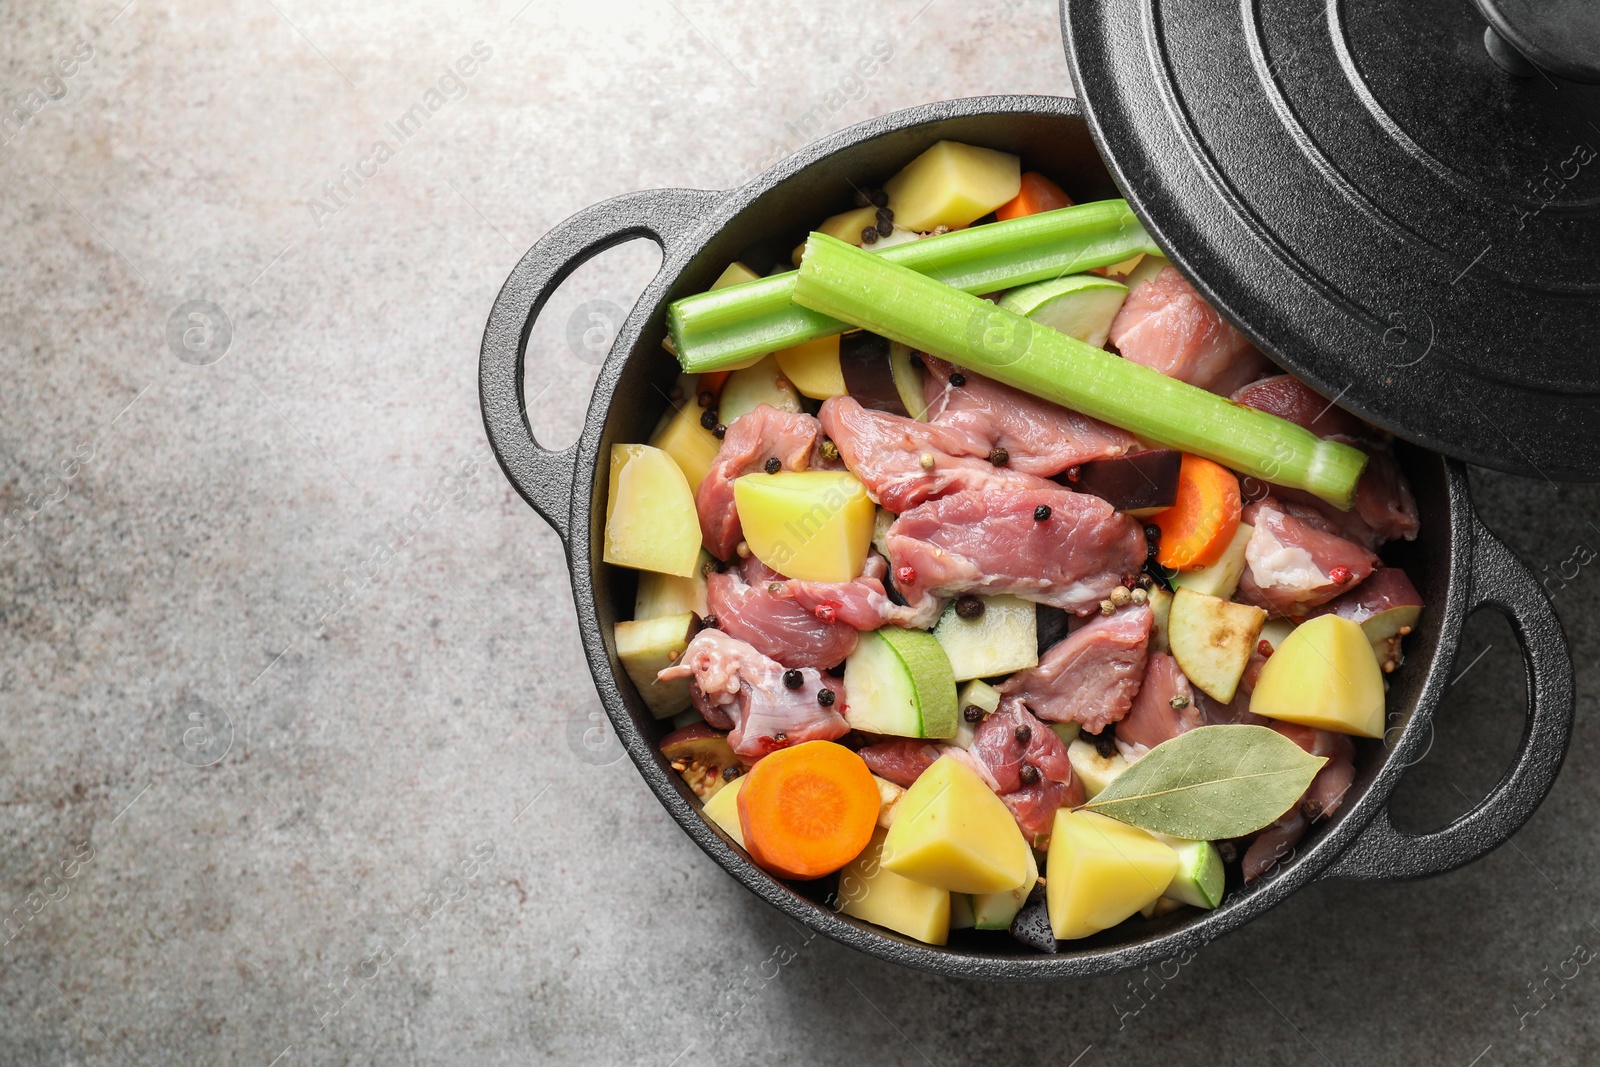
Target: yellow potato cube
847, 225
1100, 871
723, 809
1324, 674
811, 525
813, 367
952, 832
735, 273
690, 444
869, 890
952, 184
651, 523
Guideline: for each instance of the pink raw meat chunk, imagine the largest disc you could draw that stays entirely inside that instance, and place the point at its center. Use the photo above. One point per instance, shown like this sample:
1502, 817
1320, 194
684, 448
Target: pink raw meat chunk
1166, 326
774, 624
1039, 437
1091, 676
1292, 566
1154, 719
739, 689
886, 452
1070, 556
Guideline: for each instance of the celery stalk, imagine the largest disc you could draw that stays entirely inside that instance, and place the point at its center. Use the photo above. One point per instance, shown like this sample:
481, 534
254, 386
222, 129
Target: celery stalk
710, 331
869, 291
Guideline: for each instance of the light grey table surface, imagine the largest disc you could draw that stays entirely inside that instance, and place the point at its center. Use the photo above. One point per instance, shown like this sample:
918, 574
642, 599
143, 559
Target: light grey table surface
171, 586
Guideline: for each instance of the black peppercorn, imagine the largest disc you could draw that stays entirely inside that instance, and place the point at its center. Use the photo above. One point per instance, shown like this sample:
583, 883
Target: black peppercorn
1023, 733
1041, 513
878, 197
730, 772
772, 465
708, 418
885, 227
1152, 533
825, 697
958, 379
719, 431
999, 456
708, 623
969, 607
1030, 774
780, 737
861, 199
885, 214
793, 679
706, 397
1105, 743
869, 235
972, 713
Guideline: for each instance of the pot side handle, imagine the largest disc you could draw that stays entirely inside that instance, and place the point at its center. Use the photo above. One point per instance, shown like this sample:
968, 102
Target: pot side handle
543, 477
1502, 582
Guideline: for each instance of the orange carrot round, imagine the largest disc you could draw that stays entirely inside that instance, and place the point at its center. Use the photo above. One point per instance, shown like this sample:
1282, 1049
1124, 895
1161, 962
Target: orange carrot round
1197, 528
1037, 194
806, 811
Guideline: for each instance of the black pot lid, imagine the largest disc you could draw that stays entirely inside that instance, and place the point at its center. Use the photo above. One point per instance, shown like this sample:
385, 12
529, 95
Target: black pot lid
1376, 200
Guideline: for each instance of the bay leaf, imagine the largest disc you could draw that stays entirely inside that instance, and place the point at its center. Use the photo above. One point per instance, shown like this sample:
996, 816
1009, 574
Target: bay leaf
1211, 783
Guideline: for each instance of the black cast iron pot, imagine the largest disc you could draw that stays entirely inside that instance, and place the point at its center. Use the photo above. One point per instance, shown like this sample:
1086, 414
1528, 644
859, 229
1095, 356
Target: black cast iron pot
1457, 564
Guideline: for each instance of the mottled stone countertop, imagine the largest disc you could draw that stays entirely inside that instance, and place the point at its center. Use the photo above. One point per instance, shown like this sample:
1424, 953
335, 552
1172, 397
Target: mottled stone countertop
293, 697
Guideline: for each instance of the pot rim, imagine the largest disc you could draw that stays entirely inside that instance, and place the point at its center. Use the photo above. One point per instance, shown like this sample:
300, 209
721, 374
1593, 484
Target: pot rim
715, 212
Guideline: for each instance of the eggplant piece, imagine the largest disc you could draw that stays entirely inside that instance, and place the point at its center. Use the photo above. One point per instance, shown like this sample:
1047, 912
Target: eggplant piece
1032, 923
868, 375
1140, 483
1050, 625
701, 756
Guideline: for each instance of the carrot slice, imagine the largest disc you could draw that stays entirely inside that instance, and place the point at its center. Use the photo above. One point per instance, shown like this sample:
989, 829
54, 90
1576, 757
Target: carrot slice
1037, 194
806, 811
1197, 528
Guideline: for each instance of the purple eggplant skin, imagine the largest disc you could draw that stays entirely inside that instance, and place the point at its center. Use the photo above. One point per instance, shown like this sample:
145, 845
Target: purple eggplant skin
1032, 923
1140, 483
868, 375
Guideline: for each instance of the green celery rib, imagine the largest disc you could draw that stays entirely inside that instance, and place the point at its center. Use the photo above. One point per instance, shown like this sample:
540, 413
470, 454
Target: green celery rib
711, 331
869, 291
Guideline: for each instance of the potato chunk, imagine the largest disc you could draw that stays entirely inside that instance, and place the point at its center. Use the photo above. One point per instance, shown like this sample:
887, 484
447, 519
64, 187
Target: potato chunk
1323, 675
952, 832
723, 809
869, 890
811, 525
813, 367
1100, 871
952, 184
690, 444
651, 523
